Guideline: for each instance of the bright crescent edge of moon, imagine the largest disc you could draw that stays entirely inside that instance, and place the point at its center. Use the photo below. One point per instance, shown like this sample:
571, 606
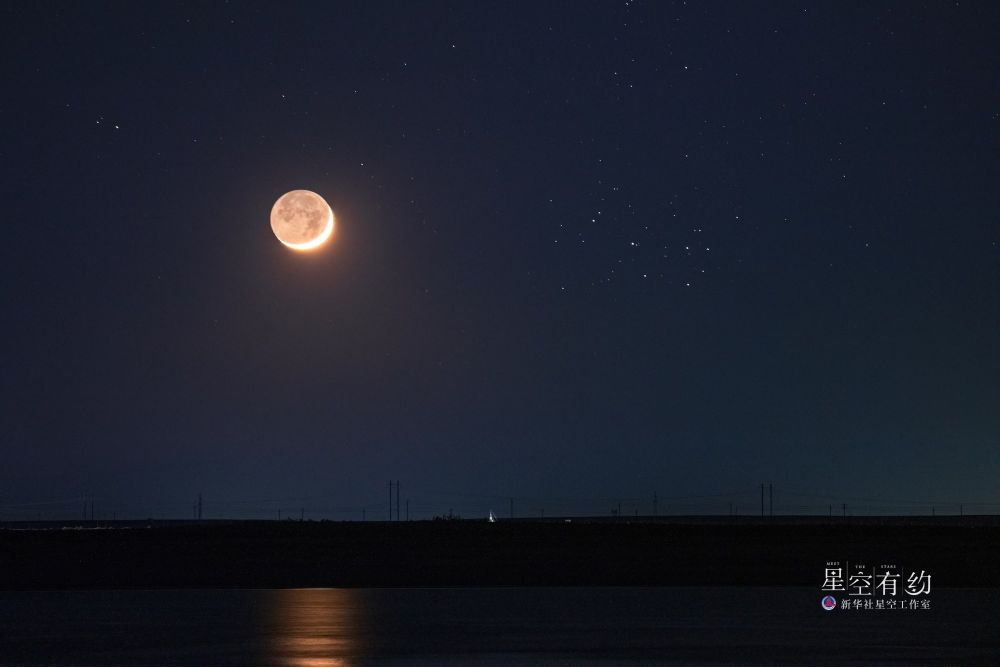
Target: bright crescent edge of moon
319, 240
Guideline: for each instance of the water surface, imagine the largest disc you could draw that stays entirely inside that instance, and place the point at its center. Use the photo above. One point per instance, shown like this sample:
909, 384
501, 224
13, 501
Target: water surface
493, 626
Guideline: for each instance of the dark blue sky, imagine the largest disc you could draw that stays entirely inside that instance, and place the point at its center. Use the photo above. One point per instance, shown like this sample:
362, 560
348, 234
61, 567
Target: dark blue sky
585, 251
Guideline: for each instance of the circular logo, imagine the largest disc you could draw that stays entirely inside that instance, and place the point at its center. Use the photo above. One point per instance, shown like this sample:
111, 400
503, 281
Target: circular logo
829, 603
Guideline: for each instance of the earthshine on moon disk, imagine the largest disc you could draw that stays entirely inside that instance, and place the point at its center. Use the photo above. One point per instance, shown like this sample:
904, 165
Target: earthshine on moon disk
302, 220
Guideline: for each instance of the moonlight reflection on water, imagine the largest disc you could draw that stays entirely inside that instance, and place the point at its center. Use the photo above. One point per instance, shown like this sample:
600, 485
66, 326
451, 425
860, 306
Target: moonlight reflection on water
315, 627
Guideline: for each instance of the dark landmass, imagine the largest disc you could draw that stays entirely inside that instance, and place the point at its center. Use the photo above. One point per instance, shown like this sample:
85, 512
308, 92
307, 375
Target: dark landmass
957, 551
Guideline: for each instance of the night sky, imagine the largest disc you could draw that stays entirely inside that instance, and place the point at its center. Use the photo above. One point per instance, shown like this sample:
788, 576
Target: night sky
585, 252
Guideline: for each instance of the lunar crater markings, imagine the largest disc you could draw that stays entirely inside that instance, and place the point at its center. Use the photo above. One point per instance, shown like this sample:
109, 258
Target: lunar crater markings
302, 220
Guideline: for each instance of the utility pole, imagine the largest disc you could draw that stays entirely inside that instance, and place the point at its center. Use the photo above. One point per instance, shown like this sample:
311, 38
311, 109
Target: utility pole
199, 507
407, 509
831, 511
363, 513
961, 510
390, 500
843, 507
511, 508
656, 508
397, 500
302, 514
770, 498
762, 499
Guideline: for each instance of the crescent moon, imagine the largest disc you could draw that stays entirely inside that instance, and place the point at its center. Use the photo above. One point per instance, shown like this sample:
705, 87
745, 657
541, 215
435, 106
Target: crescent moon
297, 220
319, 240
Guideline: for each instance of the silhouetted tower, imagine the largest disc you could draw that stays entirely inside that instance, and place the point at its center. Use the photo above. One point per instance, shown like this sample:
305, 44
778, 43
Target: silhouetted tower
199, 507
656, 509
770, 498
511, 508
407, 509
762, 499
393, 485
